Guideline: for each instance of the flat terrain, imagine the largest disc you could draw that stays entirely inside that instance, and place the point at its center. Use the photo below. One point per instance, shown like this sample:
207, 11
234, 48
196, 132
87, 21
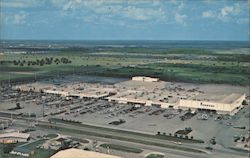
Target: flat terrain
90, 118
138, 131
187, 64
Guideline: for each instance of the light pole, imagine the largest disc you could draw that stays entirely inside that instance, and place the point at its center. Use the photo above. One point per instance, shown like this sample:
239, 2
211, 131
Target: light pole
2, 126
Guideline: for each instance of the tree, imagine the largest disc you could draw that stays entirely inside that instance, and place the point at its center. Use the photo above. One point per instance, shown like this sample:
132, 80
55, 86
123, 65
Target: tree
243, 139
158, 133
8, 148
15, 62
212, 141
18, 106
244, 102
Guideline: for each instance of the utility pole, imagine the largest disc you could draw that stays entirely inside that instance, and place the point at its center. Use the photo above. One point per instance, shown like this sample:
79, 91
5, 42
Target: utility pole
43, 110
29, 120
11, 117
35, 76
2, 126
7, 123
9, 80
107, 149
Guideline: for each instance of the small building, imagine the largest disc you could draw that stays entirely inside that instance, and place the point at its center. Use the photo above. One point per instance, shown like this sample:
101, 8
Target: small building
145, 79
21, 152
14, 137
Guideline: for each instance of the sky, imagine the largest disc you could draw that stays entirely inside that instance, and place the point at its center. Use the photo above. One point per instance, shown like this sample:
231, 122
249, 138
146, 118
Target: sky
125, 19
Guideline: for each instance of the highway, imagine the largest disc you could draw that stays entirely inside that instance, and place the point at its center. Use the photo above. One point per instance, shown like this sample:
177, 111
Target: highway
217, 153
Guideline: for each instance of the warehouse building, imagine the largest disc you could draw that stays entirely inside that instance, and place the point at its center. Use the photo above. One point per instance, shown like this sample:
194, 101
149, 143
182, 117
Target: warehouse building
222, 104
149, 91
168, 95
14, 137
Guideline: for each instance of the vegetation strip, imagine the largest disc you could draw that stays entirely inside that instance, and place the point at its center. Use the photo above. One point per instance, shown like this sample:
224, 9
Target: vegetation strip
121, 148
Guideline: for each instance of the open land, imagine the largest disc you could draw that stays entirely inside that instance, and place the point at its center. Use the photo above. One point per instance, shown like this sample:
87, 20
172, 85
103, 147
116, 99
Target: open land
196, 65
123, 129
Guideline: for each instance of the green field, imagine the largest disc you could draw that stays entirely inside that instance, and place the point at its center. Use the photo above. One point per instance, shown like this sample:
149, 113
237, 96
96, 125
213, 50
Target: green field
180, 64
82, 64
190, 71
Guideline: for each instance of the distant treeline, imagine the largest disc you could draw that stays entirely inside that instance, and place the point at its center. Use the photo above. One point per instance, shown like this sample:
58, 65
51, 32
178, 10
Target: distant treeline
43, 61
159, 50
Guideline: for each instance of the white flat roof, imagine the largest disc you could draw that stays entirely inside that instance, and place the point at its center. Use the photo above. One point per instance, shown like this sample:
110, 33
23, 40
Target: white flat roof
78, 153
14, 135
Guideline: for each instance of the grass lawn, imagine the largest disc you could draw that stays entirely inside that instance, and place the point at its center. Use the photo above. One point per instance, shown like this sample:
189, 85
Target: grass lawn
121, 148
51, 136
30, 146
43, 153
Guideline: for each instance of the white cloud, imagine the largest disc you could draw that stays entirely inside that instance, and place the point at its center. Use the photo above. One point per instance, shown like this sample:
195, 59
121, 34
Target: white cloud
20, 18
181, 18
227, 11
181, 6
112, 8
17, 19
144, 13
208, 14
20, 3
76, 4
139, 2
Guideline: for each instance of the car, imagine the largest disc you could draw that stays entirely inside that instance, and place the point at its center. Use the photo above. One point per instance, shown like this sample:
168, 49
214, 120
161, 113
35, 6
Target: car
178, 143
229, 124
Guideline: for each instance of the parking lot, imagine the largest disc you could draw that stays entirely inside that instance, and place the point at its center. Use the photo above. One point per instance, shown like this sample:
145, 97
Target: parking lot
135, 117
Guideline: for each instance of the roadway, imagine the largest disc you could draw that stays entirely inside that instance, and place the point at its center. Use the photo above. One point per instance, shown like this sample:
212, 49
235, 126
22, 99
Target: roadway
216, 153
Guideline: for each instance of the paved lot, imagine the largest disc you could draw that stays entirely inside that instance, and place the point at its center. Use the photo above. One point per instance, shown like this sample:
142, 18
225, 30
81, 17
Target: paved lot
142, 119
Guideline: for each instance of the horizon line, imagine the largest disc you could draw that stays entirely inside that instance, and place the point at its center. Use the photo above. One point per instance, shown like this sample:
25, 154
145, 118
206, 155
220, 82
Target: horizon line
119, 40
